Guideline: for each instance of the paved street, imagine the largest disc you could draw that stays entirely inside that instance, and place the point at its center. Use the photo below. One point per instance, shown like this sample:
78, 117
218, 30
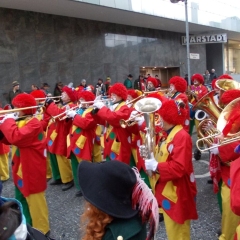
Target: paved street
65, 209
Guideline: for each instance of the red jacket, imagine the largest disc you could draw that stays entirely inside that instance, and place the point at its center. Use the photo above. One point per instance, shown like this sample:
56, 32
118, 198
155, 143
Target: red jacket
29, 160
200, 91
176, 187
82, 135
57, 131
116, 139
227, 154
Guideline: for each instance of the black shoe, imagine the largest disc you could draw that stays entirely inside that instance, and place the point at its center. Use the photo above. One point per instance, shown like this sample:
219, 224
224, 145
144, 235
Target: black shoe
210, 181
56, 182
197, 155
161, 218
78, 193
49, 237
67, 186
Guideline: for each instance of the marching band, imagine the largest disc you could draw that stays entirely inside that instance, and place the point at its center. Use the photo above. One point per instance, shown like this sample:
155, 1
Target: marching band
149, 130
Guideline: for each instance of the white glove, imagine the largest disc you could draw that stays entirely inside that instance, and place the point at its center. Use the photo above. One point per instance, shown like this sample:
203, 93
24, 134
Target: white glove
71, 114
143, 151
215, 150
139, 119
98, 98
14, 116
98, 104
151, 164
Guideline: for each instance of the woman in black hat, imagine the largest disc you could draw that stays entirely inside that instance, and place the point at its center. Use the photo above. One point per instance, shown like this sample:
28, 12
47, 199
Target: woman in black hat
119, 203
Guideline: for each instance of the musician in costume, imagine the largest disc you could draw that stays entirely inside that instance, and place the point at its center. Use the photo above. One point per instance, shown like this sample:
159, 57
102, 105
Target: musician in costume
226, 155
26, 135
116, 139
177, 89
44, 120
118, 202
152, 84
57, 132
173, 177
82, 135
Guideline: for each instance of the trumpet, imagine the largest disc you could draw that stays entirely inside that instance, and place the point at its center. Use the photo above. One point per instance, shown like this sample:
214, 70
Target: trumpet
3, 112
63, 113
42, 99
129, 122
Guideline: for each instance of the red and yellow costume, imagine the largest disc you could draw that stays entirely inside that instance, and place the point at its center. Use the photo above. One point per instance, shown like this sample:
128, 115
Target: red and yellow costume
28, 162
116, 139
81, 136
174, 184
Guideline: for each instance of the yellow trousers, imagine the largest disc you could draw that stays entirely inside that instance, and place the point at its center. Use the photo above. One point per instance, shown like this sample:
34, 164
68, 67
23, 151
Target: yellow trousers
39, 211
4, 167
230, 220
65, 169
97, 153
237, 236
176, 231
49, 169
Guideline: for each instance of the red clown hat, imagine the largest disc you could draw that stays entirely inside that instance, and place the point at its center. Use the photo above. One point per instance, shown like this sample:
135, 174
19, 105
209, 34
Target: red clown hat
198, 77
86, 95
23, 100
179, 83
120, 90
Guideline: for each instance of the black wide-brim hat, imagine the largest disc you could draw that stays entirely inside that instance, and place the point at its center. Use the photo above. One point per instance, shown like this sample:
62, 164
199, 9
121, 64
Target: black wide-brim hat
108, 186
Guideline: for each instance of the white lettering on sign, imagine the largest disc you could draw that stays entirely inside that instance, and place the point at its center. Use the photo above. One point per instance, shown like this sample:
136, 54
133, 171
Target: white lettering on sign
200, 39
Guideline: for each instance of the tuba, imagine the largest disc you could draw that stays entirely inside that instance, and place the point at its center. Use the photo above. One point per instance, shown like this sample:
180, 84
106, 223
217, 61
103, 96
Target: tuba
232, 136
148, 107
208, 105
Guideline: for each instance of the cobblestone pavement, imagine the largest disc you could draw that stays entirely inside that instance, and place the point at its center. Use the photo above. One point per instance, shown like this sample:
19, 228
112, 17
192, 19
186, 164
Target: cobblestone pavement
65, 209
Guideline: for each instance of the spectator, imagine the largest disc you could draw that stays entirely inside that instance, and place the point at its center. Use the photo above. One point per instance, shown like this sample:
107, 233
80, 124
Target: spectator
99, 88
14, 92
206, 77
213, 75
140, 83
107, 85
34, 87
159, 81
186, 78
83, 85
58, 91
128, 82
45, 87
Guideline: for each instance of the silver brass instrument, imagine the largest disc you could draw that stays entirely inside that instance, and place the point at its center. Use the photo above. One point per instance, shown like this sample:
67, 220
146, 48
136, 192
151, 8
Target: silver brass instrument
148, 106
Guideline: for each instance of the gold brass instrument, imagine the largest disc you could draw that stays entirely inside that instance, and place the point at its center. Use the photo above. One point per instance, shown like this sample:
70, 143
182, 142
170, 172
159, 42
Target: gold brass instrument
208, 105
147, 106
61, 116
129, 122
224, 85
3, 112
234, 134
42, 99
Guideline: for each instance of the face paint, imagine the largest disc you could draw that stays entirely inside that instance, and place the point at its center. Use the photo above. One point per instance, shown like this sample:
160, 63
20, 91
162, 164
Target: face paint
172, 88
196, 82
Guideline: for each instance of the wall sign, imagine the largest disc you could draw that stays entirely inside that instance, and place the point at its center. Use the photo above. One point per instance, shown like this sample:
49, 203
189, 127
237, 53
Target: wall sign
202, 39
194, 56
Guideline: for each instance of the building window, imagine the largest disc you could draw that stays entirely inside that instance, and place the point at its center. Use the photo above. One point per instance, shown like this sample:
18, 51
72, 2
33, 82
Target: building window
232, 57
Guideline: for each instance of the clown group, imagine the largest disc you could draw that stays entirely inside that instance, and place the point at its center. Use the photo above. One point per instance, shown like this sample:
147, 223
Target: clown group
88, 128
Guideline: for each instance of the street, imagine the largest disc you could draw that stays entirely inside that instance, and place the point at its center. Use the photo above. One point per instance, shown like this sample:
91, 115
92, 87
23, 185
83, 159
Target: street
65, 209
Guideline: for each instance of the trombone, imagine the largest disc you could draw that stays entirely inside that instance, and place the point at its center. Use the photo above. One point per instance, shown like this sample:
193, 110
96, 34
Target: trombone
3, 112
42, 99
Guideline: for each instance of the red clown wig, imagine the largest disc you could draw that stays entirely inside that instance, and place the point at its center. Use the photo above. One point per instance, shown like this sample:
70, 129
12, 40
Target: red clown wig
72, 94
179, 83
198, 77
132, 93
120, 90
38, 94
23, 100
86, 95
230, 95
173, 112
225, 76
153, 81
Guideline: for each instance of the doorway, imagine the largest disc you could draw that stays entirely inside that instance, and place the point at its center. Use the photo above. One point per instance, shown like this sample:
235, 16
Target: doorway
164, 73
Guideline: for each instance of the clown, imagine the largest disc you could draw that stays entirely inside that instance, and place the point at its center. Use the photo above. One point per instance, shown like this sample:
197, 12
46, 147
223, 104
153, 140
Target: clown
29, 160
173, 182
152, 84
82, 135
57, 139
116, 139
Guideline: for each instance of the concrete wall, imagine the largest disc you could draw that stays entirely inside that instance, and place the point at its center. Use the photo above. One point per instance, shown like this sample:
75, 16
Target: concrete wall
36, 48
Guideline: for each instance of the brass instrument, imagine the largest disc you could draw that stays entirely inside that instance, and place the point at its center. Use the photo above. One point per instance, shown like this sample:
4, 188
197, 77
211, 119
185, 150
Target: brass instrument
3, 112
43, 99
147, 106
60, 116
208, 105
224, 85
129, 122
223, 119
